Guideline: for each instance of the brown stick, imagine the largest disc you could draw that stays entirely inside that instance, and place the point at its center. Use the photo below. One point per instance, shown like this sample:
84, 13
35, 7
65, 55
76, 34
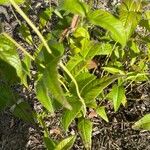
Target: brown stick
72, 27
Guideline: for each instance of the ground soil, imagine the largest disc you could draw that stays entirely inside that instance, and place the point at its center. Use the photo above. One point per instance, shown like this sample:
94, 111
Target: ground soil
118, 134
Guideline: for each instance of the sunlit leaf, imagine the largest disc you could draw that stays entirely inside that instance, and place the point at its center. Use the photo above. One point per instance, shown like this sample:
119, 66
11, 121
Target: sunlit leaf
102, 113
75, 6
114, 70
143, 123
94, 88
130, 15
66, 144
85, 130
8, 53
118, 96
109, 22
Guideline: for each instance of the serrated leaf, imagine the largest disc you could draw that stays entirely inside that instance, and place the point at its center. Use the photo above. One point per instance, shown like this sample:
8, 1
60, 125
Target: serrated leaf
118, 96
8, 53
85, 131
130, 15
6, 96
23, 111
110, 23
66, 144
76, 7
94, 88
69, 116
102, 113
143, 123
50, 145
42, 94
6, 2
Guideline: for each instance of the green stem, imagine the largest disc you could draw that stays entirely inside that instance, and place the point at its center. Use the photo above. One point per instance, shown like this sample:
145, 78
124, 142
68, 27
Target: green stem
18, 45
76, 85
30, 24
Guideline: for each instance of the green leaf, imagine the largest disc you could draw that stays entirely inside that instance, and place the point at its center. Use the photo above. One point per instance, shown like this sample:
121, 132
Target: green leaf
81, 32
25, 32
6, 2
8, 53
69, 116
118, 96
45, 16
6, 95
146, 21
66, 144
85, 130
76, 7
43, 95
130, 15
143, 123
110, 23
23, 111
8, 73
76, 64
102, 113
50, 72
82, 79
94, 88
114, 70
50, 145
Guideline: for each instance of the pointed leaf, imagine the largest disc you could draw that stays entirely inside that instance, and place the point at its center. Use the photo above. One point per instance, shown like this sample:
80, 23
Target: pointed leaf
102, 113
85, 130
94, 88
8, 53
70, 115
50, 145
110, 23
143, 123
118, 96
43, 95
66, 144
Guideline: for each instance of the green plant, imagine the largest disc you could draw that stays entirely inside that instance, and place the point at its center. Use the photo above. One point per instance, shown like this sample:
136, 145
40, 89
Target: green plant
78, 87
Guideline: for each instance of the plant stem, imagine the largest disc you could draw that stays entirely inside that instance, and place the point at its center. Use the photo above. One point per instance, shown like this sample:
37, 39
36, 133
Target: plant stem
31, 24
